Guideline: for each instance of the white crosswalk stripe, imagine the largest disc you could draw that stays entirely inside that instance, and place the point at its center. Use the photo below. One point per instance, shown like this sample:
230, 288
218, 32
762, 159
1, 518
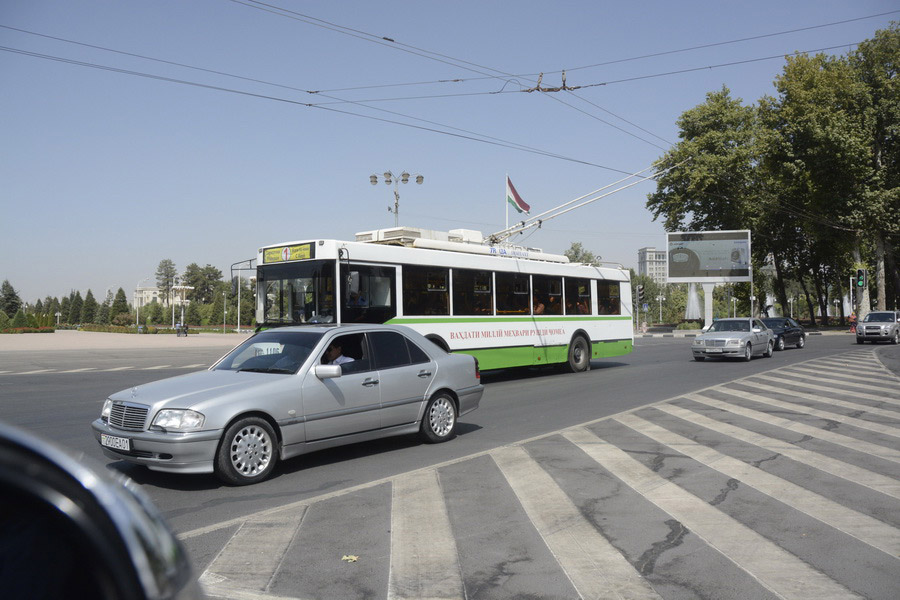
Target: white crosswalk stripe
656, 460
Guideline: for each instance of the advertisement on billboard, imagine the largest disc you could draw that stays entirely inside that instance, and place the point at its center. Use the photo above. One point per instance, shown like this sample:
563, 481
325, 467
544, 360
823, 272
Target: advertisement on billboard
709, 257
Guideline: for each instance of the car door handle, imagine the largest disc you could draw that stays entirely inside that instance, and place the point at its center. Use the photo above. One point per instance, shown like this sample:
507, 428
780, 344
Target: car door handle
370, 382
424, 374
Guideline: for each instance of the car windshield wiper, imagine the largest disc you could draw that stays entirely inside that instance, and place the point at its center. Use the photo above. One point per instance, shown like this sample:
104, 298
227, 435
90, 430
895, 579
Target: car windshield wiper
261, 370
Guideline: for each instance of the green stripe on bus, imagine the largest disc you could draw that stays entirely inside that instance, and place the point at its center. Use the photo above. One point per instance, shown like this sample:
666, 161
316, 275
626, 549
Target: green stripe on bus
522, 356
423, 320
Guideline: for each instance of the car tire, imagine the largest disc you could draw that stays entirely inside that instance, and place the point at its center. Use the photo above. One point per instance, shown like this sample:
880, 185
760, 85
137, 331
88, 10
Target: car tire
770, 350
801, 343
896, 339
748, 352
860, 341
247, 453
439, 420
579, 355
780, 344
699, 358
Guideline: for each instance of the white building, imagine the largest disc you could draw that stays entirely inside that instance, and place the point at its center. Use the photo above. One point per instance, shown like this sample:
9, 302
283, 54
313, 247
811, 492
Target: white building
148, 295
652, 263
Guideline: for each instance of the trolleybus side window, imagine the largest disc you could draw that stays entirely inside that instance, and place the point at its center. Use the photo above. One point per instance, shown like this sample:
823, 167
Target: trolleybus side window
512, 294
426, 290
547, 295
367, 294
472, 292
578, 296
608, 300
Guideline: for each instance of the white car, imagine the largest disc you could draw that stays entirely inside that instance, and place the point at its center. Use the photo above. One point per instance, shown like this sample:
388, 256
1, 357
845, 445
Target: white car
740, 337
274, 397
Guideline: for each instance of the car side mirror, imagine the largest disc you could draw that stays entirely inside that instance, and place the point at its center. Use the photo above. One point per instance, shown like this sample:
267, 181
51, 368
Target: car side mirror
328, 371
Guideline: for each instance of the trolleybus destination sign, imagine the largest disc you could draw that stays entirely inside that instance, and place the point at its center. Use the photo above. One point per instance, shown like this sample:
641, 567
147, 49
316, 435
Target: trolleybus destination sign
284, 253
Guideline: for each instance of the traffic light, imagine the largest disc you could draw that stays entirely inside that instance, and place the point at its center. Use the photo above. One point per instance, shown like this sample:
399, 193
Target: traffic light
640, 294
860, 278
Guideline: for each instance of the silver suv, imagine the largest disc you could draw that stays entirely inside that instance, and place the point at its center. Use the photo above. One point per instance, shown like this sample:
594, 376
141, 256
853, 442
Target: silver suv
879, 326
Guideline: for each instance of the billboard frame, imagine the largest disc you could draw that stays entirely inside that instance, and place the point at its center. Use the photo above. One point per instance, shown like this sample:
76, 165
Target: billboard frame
741, 245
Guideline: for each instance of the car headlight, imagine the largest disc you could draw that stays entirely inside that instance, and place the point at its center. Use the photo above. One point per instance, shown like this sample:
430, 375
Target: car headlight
179, 419
104, 412
698, 342
733, 342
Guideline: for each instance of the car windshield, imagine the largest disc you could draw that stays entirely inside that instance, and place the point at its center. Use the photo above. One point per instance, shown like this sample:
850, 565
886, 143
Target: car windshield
730, 326
879, 317
774, 323
273, 351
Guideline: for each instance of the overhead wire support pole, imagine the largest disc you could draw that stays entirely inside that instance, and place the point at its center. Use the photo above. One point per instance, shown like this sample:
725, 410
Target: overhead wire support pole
537, 220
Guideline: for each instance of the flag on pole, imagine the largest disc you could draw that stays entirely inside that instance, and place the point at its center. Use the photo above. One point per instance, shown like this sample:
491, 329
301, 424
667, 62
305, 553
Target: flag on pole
513, 197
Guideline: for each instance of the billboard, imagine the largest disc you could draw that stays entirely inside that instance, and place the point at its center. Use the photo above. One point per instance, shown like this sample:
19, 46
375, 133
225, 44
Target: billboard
708, 257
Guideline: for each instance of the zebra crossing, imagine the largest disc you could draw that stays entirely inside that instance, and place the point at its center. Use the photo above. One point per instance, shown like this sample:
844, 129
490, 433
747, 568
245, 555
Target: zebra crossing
784, 484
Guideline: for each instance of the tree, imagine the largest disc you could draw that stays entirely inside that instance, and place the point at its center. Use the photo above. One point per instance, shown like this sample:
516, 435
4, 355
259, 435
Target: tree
4, 321
204, 281
89, 308
577, 254
19, 319
192, 314
119, 306
166, 277
64, 306
75, 305
10, 302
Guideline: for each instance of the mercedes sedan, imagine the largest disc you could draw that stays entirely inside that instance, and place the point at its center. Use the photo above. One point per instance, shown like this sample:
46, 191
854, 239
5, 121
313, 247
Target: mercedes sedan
289, 391
788, 332
735, 338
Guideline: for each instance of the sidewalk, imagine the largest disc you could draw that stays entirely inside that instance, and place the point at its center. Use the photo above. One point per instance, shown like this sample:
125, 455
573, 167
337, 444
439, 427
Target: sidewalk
90, 340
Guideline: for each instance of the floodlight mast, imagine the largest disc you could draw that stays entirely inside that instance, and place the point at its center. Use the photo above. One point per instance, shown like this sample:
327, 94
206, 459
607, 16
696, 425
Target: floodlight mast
538, 220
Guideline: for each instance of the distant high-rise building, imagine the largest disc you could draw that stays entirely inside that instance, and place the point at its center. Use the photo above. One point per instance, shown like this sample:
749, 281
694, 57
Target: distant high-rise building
652, 263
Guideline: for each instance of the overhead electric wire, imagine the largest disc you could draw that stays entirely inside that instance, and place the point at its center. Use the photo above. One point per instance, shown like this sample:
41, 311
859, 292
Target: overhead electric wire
473, 137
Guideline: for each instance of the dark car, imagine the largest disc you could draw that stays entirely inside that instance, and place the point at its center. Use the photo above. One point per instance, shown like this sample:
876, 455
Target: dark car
69, 529
788, 332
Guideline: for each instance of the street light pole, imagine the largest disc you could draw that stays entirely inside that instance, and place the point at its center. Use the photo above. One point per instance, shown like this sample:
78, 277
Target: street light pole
389, 177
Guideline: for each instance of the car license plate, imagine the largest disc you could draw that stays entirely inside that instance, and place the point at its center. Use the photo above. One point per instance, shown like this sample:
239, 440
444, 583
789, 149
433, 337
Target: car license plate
714, 350
118, 443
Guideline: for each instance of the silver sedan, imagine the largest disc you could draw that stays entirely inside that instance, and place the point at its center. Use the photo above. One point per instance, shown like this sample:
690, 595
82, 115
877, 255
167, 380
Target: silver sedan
737, 338
289, 391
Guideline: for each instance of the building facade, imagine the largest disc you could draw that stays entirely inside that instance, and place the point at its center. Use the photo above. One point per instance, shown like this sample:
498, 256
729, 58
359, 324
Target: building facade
652, 263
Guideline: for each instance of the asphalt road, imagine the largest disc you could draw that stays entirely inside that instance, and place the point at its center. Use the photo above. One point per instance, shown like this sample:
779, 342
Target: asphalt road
485, 531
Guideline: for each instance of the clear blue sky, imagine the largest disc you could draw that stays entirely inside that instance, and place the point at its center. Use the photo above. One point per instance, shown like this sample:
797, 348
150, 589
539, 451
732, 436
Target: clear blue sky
103, 174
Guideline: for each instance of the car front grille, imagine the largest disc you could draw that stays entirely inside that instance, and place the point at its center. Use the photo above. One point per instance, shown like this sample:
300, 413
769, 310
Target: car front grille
715, 343
128, 416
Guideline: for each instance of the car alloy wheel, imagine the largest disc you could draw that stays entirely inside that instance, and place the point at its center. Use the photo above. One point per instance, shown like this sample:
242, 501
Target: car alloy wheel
439, 420
770, 350
748, 352
780, 344
802, 341
247, 453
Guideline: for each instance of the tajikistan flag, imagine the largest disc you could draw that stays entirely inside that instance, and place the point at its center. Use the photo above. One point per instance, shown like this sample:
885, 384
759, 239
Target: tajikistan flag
513, 197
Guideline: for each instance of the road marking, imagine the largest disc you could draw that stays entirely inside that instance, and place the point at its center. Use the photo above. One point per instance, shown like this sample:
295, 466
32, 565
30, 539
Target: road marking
823, 388
117, 369
863, 527
156, 368
82, 370
776, 569
424, 560
815, 412
815, 432
891, 414
35, 372
856, 382
252, 556
853, 473
194, 366
593, 565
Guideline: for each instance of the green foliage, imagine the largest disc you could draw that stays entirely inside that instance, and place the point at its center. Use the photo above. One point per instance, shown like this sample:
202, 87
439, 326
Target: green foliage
192, 314
119, 305
89, 308
75, 305
166, 276
19, 319
123, 319
204, 280
10, 302
4, 320
577, 254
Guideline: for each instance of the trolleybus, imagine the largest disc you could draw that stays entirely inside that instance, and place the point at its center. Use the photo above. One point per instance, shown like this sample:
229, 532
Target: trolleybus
507, 306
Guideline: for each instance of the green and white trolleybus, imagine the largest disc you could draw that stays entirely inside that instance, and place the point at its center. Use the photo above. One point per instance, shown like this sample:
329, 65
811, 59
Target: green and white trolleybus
507, 306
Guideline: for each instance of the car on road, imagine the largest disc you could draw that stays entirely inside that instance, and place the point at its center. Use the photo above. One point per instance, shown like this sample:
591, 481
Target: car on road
740, 337
274, 397
788, 332
73, 529
879, 326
